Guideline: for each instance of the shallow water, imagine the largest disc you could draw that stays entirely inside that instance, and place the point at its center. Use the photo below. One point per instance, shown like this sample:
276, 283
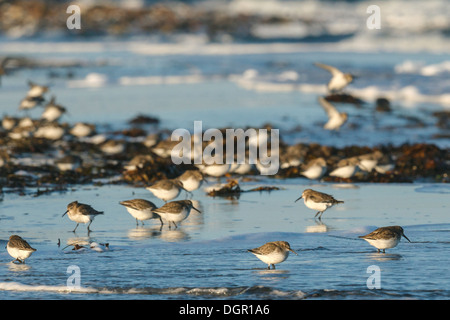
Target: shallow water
240, 85
206, 257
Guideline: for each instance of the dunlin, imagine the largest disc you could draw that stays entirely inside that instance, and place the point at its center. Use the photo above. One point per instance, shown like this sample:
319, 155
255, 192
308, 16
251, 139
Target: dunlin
293, 156
166, 189
346, 168
151, 140
112, 147
69, 163
367, 162
82, 129
19, 248
385, 237
175, 211
140, 209
339, 80
318, 201
50, 131
9, 122
243, 168
215, 170
53, 111
28, 103
164, 148
81, 213
335, 118
273, 252
314, 169
36, 90
191, 179
138, 162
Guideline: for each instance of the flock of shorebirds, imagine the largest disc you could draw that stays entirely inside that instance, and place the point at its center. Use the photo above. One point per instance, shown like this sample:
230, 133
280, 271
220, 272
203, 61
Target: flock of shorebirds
174, 212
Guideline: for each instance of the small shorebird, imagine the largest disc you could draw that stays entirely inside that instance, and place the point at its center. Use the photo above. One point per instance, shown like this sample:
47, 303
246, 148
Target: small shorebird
336, 119
346, 168
175, 211
164, 148
318, 201
69, 163
140, 209
273, 252
166, 189
314, 169
81, 213
368, 162
82, 129
9, 122
53, 111
112, 147
215, 170
138, 162
385, 237
191, 179
36, 90
19, 248
28, 103
339, 80
50, 131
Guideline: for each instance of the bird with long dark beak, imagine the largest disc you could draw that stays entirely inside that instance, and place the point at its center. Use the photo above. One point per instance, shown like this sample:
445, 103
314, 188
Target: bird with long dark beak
81, 213
318, 201
175, 211
385, 237
273, 252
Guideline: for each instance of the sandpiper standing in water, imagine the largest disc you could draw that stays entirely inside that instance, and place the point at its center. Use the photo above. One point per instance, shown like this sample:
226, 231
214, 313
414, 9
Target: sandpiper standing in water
318, 201
175, 211
19, 248
273, 252
140, 209
191, 179
166, 189
81, 213
385, 237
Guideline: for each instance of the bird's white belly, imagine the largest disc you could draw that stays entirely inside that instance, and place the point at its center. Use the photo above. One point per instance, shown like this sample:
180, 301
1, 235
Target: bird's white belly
368, 165
166, 194
319, 206
176, 217
314, 172
81, 218
18, 253
334, 123
273, 258
338, 82
344, 172
191, 184
384, 243
243, 168
141, 214
216, 170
